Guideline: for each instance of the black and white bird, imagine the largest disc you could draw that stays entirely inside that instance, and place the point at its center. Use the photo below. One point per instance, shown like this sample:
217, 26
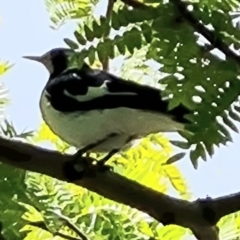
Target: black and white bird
84, 106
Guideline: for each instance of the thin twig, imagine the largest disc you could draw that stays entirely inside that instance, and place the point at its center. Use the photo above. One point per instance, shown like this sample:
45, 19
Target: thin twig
105, 63
109, 9
72, 226
42, 225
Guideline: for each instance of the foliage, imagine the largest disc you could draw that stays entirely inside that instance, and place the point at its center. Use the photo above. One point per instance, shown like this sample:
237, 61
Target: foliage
11, 180
61, 10
44, 208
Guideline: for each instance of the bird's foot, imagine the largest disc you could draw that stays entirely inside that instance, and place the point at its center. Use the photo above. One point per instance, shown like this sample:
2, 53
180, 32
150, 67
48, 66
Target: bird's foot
75, 168
89, 147
101, 163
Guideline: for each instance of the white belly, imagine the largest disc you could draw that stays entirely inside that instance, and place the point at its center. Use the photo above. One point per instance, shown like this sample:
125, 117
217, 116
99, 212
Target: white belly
80, 129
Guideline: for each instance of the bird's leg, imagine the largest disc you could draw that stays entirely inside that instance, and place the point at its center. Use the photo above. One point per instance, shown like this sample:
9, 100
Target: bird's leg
89, 147
102, 161
73, 168
80, 152
78, 155
74, 164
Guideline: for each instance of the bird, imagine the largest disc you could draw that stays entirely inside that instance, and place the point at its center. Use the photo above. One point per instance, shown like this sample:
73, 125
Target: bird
92, 107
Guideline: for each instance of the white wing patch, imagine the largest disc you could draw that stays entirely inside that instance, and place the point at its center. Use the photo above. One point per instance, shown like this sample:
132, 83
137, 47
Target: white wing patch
95, 92
104, 85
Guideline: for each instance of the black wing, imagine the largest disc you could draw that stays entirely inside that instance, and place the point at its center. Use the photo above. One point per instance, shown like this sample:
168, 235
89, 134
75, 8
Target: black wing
118, 93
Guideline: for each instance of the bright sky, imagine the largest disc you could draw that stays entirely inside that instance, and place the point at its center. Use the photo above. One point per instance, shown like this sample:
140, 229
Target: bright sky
25, 30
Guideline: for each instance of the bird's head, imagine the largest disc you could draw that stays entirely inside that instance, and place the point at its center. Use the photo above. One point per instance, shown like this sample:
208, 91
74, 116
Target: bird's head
56, 60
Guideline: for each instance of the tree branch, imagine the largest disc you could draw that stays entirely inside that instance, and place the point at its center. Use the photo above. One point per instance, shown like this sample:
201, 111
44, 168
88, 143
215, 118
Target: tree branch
204, 31
232, 201
200, 215
72, 226
105, 63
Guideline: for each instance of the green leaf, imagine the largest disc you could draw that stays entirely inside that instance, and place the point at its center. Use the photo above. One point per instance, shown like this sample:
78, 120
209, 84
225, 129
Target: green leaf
224, 131
101, 50
62, 10
91, 55
229, 123
209, 148
176, 158
147, 32
105, 27
80, 57
181, 144
237, 108
234, 115
129, 41
200, 151
71, 43
136, 37
185, 134
173, 103
89, 33
120, 45
194, 158
110, 48
80, 38
115, 22
97, 29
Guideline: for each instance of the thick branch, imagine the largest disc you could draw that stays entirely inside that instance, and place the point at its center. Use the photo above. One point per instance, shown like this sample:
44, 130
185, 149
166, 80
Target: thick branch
200, 216
226, 205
